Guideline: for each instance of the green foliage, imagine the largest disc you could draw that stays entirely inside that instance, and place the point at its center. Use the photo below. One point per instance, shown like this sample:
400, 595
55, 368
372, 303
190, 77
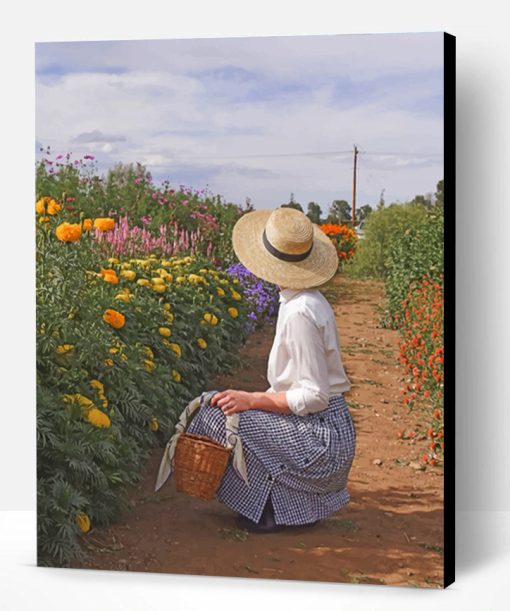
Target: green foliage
416, 254
129, 191
146, 378
339, 212
314, 213
382, 228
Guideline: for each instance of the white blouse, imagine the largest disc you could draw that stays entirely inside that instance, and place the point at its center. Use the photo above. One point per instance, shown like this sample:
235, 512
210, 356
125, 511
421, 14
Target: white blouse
305, 359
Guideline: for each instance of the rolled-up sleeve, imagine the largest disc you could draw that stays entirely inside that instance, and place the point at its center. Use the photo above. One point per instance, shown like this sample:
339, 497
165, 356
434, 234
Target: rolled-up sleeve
310, 388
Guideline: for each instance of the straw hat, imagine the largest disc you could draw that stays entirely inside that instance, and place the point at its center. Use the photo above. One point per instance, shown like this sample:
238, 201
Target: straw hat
284, 247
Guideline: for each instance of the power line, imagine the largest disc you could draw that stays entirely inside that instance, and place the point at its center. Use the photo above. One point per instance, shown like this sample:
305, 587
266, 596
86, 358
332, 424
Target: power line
303, 154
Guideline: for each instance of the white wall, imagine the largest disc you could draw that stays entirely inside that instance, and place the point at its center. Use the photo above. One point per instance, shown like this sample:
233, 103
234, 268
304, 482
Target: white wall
483, 406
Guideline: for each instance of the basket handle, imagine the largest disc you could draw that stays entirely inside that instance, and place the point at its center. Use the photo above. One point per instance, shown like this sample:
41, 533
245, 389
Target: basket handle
233, 440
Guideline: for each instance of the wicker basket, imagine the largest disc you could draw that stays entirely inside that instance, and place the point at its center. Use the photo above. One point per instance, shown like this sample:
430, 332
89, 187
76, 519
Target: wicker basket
199, 466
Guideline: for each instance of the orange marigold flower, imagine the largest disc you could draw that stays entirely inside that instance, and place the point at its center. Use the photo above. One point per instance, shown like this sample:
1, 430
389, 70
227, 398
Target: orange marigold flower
87, 224
104, 224
109, 275
114, 319
68, 232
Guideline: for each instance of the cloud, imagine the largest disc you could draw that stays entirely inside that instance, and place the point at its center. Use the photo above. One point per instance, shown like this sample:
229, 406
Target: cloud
237, 114
96, 136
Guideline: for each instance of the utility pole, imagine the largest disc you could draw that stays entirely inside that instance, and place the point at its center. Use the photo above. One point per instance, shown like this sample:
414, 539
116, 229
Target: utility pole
354, 186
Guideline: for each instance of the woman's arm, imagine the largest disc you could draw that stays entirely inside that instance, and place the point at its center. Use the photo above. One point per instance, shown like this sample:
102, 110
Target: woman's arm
232, 401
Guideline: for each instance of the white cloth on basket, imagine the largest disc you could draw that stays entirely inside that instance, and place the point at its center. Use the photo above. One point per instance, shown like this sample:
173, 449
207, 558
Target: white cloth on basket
233, 440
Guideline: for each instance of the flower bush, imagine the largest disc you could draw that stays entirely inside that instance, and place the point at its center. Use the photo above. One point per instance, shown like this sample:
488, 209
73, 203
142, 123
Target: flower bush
422, 355
261, 297
382, 228
122, 345
416, 253
344, 238
164, 213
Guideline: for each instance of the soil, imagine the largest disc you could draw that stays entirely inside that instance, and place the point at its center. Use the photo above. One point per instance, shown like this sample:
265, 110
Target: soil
390, 533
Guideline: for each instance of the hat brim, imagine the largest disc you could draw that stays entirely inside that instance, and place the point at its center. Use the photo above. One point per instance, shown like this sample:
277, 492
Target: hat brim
319, 267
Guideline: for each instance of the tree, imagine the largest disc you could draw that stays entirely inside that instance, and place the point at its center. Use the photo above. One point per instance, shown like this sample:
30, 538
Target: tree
339, 212
292, 204
363, 212
439, 194
380, 205
423, 200
314, 212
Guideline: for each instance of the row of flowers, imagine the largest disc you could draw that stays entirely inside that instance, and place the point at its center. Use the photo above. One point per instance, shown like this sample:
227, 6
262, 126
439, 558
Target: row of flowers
344, 239
422, 356
122, 344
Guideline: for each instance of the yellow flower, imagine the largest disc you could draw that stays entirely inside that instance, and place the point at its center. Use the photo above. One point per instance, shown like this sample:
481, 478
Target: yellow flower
202, 343
159, 288
83, 522
79, 399
169, 316
126, 265
235, 296
40, 205
154, 425
113, 350
114, 319
108, 362
148, 352
148, 365
104, 224
47, 205
165, 331
167, 307
128, 274
143, 282
65, 348
233, 312
44, 219
180, 279
211, 318
125, 297
53, 207
176, 376
220, 291
157, 281
97, 385
235, 281
68, 232
113, 260
194, 279
87, 224
97, 418
177, 349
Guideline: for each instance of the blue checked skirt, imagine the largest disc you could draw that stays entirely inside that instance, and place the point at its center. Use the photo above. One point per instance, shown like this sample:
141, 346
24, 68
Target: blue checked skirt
302, 462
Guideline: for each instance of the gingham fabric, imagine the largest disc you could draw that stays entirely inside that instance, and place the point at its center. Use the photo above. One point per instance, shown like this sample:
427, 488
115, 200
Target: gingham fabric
301, 461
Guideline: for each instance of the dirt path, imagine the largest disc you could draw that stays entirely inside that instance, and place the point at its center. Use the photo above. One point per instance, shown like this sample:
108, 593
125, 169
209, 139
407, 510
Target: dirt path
392, 530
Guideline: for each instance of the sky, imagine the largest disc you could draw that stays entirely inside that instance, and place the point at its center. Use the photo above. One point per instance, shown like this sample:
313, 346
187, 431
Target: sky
259, 117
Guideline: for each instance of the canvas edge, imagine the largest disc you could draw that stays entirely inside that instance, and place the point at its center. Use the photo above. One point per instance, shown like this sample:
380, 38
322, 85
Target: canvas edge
449, 305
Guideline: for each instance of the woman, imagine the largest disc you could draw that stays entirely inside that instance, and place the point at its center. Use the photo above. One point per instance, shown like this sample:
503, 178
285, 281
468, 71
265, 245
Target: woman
298, 437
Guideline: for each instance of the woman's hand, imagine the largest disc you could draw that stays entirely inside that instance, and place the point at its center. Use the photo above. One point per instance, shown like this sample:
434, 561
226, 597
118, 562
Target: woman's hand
232, 401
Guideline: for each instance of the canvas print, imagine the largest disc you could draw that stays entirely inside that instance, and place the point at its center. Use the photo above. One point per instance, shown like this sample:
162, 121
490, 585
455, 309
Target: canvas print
244, 267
